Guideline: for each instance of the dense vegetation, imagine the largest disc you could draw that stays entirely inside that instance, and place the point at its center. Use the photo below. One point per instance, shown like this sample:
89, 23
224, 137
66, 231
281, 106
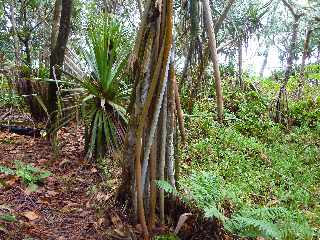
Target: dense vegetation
258, 177
238, 144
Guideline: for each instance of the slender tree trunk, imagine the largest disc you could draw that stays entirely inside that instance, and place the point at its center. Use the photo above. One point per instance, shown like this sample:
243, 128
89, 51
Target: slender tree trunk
179, 111
139, 7
214, 57
23, 83
303, 62
223, 16
171, 123
163, 157
240, 63
55, 23
16, 48
15, 36
196, 85
293, 42
281, 103
27, 50
153, 187
187, 63
57, 58
291, 56
264, 63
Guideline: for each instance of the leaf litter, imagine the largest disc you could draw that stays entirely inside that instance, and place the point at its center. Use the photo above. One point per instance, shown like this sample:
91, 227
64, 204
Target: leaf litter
68, 204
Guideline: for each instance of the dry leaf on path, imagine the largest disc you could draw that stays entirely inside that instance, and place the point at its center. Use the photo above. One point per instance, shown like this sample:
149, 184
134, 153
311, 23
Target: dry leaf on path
31, 215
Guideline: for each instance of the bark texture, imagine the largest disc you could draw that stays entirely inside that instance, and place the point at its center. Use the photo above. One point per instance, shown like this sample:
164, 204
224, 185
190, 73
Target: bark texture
152, 102
214, 57
57, 58
303, 62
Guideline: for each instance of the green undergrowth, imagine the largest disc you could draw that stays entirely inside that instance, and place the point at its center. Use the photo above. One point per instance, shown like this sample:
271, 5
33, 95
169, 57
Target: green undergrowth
257, 177
7, 97
29, 175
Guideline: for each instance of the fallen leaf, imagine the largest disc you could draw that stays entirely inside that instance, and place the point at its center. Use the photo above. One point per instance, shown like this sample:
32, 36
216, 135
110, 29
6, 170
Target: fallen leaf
63, 163
139, 228
120, 233
31, 188
181, 221
42, 161
100, 221
2, 229
12, 181
31, 215
101, 197
51, 193
71, 206
115, 219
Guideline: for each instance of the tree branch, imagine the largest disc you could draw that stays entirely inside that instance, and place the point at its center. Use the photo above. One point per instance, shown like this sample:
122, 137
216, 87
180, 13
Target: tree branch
223, 16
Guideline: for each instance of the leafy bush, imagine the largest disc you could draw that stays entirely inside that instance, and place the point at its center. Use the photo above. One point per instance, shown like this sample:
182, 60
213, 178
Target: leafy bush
102, 90
305, 112
30, 174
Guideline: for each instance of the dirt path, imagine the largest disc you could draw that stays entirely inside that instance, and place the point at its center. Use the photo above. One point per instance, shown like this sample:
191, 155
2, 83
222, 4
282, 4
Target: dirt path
66, 206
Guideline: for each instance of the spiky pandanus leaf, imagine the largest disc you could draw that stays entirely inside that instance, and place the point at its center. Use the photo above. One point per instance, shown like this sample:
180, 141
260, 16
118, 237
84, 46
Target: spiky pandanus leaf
106, 57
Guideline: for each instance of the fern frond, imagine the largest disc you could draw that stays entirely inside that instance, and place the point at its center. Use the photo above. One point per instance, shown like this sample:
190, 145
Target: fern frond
250, 227
167, 187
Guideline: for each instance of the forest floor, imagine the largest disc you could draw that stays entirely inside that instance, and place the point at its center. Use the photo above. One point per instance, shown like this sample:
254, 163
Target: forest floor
77, 200
72, 203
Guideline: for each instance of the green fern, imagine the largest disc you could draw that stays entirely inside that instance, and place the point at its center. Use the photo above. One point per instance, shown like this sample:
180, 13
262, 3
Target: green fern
207, 192
167, 187
250, 227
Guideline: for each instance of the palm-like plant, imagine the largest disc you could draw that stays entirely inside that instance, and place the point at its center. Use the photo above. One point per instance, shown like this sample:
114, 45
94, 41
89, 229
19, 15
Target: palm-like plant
106, 57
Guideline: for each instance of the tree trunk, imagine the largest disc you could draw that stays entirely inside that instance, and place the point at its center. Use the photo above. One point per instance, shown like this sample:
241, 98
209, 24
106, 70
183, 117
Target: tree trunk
179, 111
223, 16
214, 57
162, 159
264, 63
196, 84
57, 58
240, 63
293, 42
291, 56
150, 66
303, 62
55, 23
27, 50
23, 83
15, 37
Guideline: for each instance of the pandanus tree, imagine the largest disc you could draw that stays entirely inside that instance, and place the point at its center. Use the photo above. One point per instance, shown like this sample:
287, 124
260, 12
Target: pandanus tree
280, 107
106, 57
97, 90
154, 108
